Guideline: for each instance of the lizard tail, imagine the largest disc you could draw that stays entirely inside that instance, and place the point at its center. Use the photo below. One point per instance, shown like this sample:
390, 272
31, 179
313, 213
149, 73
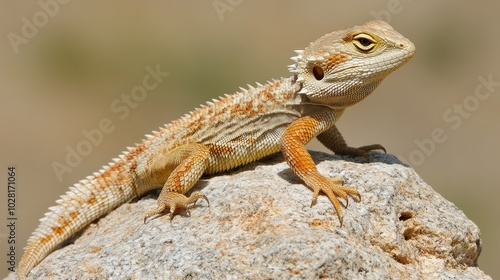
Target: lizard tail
83, 203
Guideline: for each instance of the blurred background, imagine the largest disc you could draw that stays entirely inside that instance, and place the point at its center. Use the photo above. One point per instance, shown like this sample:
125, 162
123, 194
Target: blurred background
66, 67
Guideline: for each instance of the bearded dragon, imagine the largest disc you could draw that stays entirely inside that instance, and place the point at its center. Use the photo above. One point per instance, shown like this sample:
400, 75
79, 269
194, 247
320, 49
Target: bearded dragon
333, 73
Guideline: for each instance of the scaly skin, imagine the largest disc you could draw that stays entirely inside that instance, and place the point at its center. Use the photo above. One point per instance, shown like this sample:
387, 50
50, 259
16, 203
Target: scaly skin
335, 72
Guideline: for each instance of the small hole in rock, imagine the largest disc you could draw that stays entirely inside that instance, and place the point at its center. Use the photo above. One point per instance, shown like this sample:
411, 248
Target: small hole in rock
401, 259
408, 233
405, 216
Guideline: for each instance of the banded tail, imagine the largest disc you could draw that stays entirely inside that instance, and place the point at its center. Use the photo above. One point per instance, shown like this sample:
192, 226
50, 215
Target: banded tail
86, 201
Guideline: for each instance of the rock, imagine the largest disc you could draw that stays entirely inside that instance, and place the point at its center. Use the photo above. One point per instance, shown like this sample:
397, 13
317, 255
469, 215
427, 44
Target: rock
259, 225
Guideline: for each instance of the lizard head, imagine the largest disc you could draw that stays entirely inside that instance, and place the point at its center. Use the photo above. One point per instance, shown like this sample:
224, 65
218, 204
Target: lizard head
343, 67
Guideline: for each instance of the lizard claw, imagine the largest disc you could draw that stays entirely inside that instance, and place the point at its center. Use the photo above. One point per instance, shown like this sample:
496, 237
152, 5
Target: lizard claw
174, 201
360, 151
153, 212
369, 148
333, 188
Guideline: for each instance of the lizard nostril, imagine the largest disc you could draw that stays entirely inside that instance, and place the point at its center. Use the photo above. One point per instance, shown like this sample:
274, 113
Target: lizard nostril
318, 73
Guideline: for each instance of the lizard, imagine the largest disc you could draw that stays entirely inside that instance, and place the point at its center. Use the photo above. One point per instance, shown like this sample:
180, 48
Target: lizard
333, 73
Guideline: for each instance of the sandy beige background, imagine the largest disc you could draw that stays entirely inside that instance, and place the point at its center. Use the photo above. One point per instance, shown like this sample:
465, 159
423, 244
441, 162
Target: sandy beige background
83, 57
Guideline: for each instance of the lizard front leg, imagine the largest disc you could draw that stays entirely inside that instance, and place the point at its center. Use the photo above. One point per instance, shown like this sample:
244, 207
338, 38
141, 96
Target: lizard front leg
333, 140
292, 143
192, 161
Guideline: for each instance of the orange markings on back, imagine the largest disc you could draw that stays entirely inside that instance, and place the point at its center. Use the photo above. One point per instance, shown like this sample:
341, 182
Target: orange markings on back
249, 110
245, 108
130, 156
266, 96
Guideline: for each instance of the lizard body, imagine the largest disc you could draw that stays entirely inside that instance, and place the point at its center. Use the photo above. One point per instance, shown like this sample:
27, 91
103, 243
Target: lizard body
333, 73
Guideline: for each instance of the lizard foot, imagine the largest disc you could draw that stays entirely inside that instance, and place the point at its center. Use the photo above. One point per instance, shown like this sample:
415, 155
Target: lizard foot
360, 151
174, 201
333, 188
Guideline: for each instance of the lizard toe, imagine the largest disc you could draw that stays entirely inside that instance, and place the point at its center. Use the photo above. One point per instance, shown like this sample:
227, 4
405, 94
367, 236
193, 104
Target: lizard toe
158, 210
369, 148
174, 201
334, 189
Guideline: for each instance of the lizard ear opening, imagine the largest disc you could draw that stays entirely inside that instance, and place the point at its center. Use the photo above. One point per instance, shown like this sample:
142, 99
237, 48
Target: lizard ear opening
318, 73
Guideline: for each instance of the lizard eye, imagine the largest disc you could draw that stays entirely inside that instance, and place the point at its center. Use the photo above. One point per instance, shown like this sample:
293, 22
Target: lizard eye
364, 42
318, 73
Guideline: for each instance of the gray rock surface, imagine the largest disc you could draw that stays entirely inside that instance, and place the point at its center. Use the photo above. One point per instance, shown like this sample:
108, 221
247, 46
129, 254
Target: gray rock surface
259, 225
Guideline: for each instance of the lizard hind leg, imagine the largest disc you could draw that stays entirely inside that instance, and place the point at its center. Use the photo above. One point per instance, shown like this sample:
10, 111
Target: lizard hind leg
191, 161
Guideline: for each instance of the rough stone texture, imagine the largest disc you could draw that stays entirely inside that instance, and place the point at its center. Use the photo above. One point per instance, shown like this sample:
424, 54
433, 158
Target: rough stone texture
259, 225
